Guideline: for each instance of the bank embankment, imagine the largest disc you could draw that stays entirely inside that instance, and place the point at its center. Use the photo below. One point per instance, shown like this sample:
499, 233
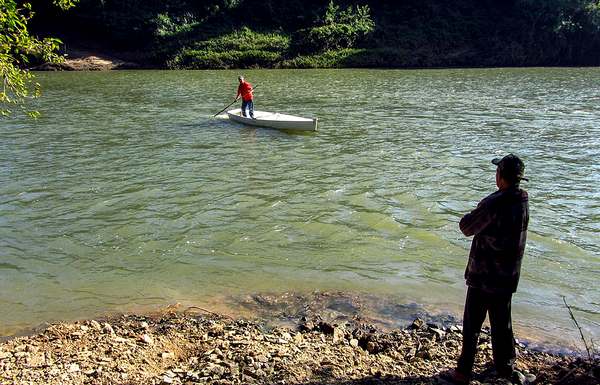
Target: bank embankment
206, 348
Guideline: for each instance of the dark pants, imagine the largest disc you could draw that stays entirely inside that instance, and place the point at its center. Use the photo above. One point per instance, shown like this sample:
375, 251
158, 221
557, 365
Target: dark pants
479, 303
250, 106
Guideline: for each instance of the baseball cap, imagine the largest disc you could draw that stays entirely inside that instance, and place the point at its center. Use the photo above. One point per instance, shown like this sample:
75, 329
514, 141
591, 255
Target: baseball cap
511, 166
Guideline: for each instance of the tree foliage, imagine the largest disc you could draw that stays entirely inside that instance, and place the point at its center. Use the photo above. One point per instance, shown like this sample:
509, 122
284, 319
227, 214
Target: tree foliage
338, 29
314, 33
17, 46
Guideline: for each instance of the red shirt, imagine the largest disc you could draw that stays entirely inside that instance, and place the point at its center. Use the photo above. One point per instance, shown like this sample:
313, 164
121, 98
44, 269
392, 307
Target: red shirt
245, 89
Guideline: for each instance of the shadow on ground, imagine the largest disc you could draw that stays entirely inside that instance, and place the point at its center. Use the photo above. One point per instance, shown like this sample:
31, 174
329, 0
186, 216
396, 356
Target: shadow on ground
387, 380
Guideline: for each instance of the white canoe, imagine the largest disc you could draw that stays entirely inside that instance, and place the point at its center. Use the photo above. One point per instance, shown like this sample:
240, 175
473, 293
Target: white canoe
274, 120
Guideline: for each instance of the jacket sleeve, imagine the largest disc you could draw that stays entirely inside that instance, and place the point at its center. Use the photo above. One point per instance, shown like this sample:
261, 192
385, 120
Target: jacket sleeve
477, 220
239, 91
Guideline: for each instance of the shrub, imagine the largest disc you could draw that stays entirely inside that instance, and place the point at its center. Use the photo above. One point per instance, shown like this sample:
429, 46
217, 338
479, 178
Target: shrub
339, 29
239, 49
246, 39
166, 26
328, 59
205, 59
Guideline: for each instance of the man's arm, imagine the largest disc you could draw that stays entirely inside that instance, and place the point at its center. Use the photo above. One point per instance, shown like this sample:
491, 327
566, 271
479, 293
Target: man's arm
477, 220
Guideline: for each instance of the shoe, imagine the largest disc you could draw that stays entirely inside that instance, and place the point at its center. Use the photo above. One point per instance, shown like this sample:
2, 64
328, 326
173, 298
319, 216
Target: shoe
454, 377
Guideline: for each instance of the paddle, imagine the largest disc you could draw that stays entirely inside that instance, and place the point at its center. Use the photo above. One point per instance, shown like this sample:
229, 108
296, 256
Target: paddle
229, 105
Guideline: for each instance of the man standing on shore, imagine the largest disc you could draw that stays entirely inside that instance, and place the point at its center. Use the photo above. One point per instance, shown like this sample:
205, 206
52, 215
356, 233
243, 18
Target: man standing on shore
245, 91
499, 225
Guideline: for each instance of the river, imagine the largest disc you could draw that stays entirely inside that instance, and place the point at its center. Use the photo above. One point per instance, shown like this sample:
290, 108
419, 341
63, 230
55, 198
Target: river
127, 194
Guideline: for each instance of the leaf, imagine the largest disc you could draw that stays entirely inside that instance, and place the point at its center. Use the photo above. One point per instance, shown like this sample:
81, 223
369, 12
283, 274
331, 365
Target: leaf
16, 47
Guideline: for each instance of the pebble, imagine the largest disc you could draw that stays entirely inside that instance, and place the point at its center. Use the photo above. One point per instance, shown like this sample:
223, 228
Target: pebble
531, 377
418, 324
439, 333
306, 326
216, 329
217, 370
286, 336
326, 327
147, 339
338, 335
262, 358
371, 347
96, 325
108, 329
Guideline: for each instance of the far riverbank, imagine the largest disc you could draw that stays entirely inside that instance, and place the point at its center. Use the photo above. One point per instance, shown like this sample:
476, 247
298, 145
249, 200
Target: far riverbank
90, 59
334, 34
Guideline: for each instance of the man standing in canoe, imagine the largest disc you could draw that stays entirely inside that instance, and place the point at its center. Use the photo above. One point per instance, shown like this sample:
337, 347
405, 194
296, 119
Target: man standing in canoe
499, 225
245, 91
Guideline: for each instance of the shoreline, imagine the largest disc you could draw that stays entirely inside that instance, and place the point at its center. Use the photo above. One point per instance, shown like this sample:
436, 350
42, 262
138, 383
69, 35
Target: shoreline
197, 346
93, 60
284, 309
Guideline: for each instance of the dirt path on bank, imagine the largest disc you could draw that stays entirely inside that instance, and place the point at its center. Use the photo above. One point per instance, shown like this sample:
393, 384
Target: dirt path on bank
87, 60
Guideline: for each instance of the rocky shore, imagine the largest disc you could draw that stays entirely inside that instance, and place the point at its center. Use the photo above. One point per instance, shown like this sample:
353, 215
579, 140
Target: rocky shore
176, 347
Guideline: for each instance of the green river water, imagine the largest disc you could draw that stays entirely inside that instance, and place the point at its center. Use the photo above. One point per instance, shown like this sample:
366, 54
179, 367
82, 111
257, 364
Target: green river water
127, 195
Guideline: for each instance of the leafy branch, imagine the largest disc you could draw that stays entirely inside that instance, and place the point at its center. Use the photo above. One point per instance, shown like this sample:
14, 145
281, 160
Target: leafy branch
16, 47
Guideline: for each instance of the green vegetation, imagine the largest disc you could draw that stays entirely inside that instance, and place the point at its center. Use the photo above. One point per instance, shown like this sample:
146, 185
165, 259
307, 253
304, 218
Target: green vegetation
332, 35
339, 30
17, 49
239, 49
327, 59
338, 33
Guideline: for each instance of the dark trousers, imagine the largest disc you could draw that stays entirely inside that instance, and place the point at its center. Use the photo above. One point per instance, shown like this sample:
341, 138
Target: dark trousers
477, 304
250, 106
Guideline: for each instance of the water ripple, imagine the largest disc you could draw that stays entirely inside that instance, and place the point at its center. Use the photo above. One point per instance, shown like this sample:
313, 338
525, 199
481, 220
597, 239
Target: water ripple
127, 192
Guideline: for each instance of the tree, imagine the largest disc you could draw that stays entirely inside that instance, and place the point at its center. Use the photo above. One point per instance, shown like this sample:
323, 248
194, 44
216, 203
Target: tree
17, 46
336, 30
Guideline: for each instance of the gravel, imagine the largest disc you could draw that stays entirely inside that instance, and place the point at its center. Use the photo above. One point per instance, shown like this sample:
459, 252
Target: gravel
179, 348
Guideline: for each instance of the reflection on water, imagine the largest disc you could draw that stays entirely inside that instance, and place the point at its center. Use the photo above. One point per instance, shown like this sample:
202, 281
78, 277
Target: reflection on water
126, 194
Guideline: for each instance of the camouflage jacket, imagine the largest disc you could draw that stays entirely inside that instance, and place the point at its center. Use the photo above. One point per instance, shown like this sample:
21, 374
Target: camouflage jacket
499, 224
